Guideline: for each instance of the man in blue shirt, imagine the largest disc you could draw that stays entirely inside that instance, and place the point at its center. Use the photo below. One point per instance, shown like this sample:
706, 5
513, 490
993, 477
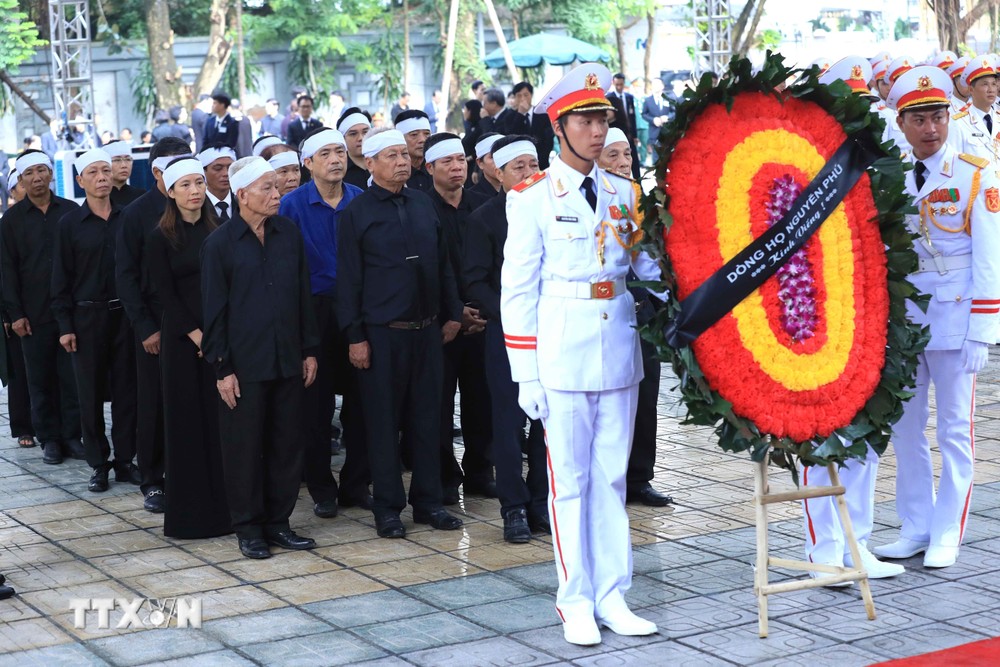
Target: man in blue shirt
316, 207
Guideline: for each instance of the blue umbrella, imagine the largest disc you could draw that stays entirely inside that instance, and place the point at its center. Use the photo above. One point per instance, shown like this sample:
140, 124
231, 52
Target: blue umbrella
553, 49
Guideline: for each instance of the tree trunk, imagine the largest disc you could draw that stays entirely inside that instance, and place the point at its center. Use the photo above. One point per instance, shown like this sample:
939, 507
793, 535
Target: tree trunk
406, 45
647, 57
741, 23
952, 30
16, 89
620, 43
160, 42
752, 30
219, 50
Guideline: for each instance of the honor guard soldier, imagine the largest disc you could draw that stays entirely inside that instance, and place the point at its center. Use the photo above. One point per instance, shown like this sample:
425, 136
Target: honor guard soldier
896, 69
976, 128
879, 65
958, 197
569, 327
960, 92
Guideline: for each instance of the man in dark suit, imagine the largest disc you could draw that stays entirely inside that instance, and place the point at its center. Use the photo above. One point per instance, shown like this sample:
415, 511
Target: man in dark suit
494, 109
624, 104
522, 120
220, 127
304, 124
656, 111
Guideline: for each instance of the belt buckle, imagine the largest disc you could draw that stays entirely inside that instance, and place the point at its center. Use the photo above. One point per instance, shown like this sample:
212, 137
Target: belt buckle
602, 290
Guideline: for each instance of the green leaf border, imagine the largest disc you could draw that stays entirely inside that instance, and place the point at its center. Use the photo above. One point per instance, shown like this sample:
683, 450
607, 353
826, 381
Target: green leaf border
873, 423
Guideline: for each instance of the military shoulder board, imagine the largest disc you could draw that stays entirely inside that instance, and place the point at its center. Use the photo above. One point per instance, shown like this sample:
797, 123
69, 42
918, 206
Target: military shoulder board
974, 160
960, 114
529, 181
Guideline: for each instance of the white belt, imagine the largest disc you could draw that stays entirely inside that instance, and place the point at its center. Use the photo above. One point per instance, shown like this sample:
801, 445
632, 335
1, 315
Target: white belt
944, 263
607, 289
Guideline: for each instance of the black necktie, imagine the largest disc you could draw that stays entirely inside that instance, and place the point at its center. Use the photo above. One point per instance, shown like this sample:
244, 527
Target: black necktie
918, 172
223, 215
588, 192
989, 123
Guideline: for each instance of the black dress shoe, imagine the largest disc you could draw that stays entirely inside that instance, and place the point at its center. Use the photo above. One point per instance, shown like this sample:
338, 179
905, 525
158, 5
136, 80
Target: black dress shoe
487, 490
325, 509
155, 501
288, 539
390, 525
449, 496
515, 527
539, 523
648, 496
6, 592
99, 480
52, 453
437, 518
254, 547
74, 449
364, 502
127, 472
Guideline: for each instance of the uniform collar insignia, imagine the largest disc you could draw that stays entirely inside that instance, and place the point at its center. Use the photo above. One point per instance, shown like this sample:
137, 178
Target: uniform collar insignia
558, 187
607, 185
946, 168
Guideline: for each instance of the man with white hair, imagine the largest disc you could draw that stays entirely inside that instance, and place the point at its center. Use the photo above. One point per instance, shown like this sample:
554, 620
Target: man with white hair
395, 288
92, 325
260, 336
216, 160
27, 245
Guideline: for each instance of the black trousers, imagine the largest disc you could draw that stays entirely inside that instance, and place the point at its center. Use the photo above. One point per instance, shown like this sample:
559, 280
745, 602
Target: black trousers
318, 405
105, 359
401, 391
356, 473
464, 367
55, 410
640, 461
149, 411
18, 399
262, 455
508, 421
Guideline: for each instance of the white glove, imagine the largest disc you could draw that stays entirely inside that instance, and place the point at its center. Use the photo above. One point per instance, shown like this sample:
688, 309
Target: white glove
531, 398
974, 356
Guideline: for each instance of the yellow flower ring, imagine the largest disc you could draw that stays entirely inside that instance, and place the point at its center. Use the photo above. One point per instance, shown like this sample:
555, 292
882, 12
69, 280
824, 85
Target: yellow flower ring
719, 170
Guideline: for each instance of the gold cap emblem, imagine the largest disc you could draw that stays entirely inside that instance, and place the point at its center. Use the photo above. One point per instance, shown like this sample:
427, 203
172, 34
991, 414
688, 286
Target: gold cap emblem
924, 83
856, 73
591, 82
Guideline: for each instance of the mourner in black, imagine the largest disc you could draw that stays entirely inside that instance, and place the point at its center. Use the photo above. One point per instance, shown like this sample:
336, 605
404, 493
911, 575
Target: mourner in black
487, 185
144, 310
299, 127
195, 488
27, 240
624, 104
397, 300
522, 502
416, 127
260, 336
220, 127
463, 357
92, 324
122, 194
525, 121
355, 124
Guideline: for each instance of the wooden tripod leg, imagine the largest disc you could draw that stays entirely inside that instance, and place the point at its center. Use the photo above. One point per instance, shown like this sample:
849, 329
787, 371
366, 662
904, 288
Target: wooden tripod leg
845, 520
760, 575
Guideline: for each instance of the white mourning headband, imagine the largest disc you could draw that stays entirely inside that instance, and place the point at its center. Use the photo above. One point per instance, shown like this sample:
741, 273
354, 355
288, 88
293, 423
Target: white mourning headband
376, 143
442, 148
265, 142
505, 154
162, 163
320, 139
412, 124
210, 155
118, 149
285, 159
89, 158
615, 135
252, 170
26, 162
179, 169
347, 122
484, 146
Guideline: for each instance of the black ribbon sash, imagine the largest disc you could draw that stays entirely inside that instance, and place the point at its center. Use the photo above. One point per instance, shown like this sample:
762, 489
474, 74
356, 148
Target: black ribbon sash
752, 266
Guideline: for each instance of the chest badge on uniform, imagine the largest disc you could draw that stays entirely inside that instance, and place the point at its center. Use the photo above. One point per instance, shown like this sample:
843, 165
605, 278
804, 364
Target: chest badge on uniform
992, 199
945, 195
619, 212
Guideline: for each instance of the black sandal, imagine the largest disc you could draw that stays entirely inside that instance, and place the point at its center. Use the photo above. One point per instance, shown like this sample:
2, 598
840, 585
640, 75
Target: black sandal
26, 441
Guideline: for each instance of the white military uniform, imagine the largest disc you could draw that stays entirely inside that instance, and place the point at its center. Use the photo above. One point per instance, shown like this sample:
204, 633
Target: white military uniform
969, 131
569, 323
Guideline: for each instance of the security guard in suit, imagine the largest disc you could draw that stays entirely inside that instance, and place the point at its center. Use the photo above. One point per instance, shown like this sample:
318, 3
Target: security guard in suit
569, 328
958, 197
977, 126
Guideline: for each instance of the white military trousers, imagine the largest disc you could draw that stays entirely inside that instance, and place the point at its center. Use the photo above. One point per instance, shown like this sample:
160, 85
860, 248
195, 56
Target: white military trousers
825, 540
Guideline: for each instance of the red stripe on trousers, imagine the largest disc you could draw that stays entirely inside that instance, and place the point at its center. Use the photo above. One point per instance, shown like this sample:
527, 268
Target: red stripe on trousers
809, 520
972, 442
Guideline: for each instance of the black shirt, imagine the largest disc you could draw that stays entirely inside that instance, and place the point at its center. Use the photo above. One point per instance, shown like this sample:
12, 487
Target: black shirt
390, 271
259, 321
355, 175
420, 179
484, 188
176, 274
453, 222
135, 287
83, 267
482, 255
27, 244
125, 195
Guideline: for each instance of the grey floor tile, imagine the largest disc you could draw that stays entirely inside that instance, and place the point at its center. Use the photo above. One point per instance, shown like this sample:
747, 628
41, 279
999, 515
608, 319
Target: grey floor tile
541, 577
707, 578
137, 648
218, 659
526, 613
369, 608
986, 622
469, 591
63, 655
744, 646
414, 634
328, 648
550, 640
660, 653
848, 622
665, 555
972, 562
387, 661
944, 601
696, 615
493, 652
915, 641
649, 592
265, 626
834, 656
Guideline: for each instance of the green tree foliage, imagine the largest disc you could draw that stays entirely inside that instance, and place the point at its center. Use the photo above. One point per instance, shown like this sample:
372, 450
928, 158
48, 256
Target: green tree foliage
18, 36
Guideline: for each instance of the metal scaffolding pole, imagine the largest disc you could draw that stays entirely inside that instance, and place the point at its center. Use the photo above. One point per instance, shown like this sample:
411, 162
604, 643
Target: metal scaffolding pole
72, 82
713, 46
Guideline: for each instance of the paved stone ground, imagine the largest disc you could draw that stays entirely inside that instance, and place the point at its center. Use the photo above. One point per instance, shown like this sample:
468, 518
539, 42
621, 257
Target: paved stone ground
465, 598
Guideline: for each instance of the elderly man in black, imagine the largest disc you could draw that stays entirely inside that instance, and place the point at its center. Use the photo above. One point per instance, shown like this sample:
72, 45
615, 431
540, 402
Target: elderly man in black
142, 306
92, 326
260, 334
27, 241
416, 127
398, 302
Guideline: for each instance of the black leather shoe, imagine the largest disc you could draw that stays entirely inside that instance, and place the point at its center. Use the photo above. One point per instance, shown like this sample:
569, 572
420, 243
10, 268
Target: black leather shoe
127, 472
288, 539
6, 592
487, 490
74, 450
449, 496
515, 527
155, 501
648, 496
437, 518
326, 509
254, 547
99, 480
364, 502
52, 453
539, 523
390, 526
